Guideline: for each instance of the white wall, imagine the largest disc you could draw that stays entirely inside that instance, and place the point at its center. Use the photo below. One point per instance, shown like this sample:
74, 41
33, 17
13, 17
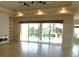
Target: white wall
76, 21
4, 24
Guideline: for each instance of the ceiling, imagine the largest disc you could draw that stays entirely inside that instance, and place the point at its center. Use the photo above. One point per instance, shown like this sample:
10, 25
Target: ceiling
15, 6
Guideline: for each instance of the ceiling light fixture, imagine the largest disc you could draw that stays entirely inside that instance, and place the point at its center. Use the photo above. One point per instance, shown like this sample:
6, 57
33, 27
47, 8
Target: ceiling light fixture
40, 12
20, 14
63, 11
31, 3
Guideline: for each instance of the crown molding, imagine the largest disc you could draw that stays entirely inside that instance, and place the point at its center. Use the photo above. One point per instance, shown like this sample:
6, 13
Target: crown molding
6, 10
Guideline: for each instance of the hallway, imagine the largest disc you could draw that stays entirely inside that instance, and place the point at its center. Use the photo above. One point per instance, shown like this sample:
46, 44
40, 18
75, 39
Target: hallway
24, 49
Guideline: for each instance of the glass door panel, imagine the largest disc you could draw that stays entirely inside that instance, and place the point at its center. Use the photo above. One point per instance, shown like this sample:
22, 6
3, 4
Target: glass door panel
24, 32
76, 32
56, 33
76, 35
33, 32
45, 32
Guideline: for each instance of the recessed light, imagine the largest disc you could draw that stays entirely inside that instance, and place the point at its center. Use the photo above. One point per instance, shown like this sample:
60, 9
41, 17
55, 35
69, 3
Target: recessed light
20, 14
40, 12
63, 11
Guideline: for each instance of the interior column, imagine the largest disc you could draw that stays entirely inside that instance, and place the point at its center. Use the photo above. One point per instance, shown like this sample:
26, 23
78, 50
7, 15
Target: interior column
68, 30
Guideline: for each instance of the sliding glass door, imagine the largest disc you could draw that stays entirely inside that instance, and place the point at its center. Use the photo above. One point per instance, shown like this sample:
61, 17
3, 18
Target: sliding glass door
41, 32
45, 32
33, 32
56, 32
24, 32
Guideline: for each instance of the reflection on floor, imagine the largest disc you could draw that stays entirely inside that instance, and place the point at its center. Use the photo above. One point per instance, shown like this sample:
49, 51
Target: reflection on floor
24, 49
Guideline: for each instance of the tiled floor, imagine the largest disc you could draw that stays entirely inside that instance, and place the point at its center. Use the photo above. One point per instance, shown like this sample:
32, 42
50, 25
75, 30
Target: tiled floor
24, 49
